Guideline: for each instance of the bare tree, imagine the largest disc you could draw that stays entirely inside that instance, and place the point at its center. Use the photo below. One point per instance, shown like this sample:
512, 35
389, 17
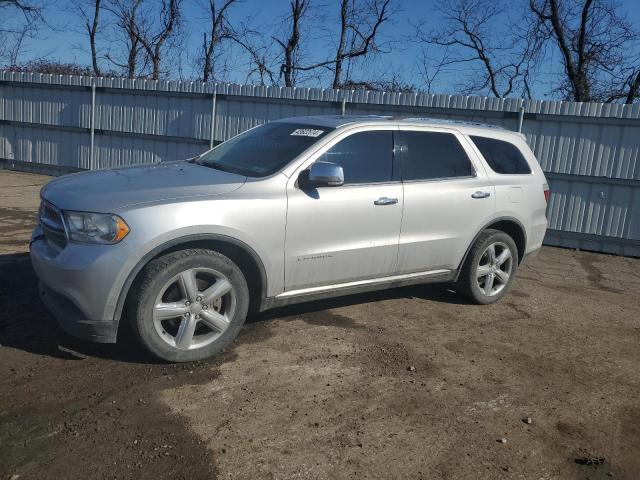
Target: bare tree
430, 68
259, 58
24, 6
595, 43
147, 33
126, 13
243, 38
633, 84
291, 44
360, 24
358, 30
472, 35
13, 50
261, 67
154, 41
20, 20
89, 12
43, 65
220, 30
392, 84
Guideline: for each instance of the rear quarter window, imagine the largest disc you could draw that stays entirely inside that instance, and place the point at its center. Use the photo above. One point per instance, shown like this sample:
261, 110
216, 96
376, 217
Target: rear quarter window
503, 157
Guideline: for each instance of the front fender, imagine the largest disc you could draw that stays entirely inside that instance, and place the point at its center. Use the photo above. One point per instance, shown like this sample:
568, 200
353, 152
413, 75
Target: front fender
183, 240
255, 224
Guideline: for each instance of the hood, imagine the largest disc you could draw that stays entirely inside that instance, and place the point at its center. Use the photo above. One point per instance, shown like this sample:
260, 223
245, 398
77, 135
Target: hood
108, 190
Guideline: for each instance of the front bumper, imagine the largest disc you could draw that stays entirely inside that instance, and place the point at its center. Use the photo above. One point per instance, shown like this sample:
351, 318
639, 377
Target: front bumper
81, 283
72, 321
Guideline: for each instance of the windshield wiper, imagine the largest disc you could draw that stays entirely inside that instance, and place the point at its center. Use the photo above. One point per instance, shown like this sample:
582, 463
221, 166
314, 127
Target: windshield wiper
216, 166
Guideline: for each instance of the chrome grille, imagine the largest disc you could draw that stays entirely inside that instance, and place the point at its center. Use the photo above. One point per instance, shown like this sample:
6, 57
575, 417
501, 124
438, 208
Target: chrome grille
52, 225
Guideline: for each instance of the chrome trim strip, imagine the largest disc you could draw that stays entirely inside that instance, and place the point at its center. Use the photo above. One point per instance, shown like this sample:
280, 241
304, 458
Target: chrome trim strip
48, 223
359, 283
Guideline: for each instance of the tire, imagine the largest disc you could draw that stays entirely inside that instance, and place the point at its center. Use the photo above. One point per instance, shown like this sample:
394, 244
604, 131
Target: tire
489, 288
189, 305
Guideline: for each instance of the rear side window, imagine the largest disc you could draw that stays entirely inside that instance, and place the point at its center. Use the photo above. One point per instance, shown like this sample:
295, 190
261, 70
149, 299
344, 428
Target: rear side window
502, 157
365, 157
432, 155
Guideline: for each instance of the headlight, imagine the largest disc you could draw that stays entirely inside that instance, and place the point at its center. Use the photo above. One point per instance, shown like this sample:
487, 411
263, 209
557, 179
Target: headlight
102, 228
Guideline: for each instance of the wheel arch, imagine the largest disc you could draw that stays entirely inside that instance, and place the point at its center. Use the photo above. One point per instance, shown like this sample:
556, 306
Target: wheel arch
242, 254
509, 225
515, 230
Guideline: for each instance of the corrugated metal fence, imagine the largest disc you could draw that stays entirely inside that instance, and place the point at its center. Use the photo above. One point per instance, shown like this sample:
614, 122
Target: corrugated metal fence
590, 152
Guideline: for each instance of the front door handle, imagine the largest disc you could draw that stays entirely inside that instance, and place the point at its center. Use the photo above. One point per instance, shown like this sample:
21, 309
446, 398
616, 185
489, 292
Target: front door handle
480, 194
386, 201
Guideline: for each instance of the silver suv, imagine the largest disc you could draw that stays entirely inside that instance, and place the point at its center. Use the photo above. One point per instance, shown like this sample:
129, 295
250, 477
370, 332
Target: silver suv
293, 210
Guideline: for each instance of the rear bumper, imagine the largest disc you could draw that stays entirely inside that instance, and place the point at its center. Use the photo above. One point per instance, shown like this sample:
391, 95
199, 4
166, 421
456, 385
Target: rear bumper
72, 320
531, 254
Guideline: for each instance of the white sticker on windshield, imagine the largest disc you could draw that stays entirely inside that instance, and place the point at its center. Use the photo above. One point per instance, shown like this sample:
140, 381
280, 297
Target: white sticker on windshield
307, 132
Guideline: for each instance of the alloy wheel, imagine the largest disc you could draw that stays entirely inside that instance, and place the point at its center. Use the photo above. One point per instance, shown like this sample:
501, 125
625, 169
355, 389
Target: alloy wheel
194, 308
494, 269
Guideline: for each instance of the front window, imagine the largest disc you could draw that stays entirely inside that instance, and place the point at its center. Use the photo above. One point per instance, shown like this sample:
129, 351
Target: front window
263, 150
365, 157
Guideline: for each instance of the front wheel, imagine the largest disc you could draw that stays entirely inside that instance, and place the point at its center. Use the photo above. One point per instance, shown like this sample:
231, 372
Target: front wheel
190, 304
490, 267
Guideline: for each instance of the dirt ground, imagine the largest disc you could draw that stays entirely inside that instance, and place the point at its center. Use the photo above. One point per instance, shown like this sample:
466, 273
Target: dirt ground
408, 383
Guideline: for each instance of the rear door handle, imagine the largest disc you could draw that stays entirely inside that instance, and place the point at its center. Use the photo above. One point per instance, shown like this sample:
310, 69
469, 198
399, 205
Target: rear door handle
386, 201
480, 194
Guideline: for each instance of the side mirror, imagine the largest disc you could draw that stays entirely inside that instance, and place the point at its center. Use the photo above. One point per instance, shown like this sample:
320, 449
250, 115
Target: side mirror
325, 174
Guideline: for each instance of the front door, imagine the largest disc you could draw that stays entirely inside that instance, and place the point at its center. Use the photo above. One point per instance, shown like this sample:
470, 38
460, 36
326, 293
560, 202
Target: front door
342, 234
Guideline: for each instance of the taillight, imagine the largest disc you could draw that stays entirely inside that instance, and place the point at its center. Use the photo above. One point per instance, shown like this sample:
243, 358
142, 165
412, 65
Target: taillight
547, 192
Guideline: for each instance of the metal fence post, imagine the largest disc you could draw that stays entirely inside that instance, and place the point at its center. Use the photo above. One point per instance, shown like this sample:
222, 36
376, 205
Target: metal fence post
521, 117
213, 116
92, 127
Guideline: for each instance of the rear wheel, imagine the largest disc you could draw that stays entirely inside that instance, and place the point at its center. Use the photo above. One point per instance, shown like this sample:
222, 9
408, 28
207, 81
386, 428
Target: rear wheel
190, 305
490, 267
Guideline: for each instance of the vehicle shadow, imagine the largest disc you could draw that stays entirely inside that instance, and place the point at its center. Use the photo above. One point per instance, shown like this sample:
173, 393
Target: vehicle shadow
431, 292
25, 323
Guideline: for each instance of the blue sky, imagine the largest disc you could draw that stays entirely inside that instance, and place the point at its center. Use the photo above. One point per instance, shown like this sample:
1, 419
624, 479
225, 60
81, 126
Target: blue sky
64, 41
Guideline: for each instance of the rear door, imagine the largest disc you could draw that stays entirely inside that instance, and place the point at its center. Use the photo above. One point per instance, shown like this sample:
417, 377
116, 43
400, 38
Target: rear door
448, 197
519, 191
341, 234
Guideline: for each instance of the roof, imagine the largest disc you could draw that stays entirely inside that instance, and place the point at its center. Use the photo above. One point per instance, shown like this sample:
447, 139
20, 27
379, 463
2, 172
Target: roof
337, 121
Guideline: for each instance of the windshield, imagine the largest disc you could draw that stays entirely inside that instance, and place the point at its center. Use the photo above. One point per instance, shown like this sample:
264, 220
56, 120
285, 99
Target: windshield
263, 150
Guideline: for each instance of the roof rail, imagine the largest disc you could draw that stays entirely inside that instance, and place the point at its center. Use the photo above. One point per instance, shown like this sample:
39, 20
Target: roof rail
450, 122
